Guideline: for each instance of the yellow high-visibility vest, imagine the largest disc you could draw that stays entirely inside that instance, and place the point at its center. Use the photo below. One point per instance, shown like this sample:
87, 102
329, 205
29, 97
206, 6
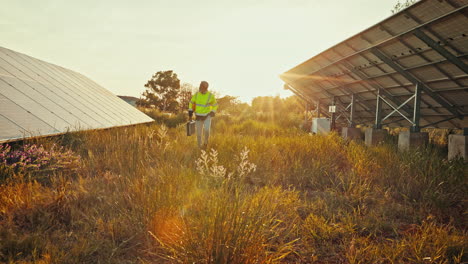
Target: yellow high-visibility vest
203, 104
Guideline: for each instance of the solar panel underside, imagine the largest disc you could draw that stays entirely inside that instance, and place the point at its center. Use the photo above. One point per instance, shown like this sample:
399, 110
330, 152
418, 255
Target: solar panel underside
39, 99
426, 43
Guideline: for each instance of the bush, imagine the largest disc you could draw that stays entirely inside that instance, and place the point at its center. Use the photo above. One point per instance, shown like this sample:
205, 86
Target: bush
30, 159
169, 119
226, 223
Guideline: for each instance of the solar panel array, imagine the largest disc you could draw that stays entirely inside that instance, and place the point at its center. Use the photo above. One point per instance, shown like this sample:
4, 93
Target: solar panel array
426, 43
39, 98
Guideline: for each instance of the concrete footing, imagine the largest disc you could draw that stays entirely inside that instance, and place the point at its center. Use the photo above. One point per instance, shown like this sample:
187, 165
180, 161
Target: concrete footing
458, 146
375, 136
408, 140
351, 133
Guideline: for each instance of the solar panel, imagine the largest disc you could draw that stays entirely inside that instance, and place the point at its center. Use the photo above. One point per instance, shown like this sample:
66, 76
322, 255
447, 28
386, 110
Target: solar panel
39, 99
425, 44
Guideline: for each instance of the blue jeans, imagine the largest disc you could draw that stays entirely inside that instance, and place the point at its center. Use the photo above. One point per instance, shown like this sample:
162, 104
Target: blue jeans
203, 126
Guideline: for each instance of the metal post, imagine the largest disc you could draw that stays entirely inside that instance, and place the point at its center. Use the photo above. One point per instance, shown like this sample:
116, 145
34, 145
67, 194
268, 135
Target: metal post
318, 109
351, 112
417, 108
378, 111
333, 116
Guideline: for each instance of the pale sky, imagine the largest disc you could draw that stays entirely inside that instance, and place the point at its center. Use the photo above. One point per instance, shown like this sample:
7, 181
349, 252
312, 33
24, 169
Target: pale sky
239, 46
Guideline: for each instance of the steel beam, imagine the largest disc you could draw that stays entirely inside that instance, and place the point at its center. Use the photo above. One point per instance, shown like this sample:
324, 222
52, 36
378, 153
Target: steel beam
396, 109
364, 114
441, 50
318, 108
417, 108
438, 122
352, 111
330, 95
297, 93
395, 121
333, 116
378, 111
359, 99
414, 80
344, 112
300, 92
406, 94
408, 69
315, 99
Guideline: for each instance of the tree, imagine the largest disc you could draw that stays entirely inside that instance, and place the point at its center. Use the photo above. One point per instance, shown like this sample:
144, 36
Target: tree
162, 91
185, 95
227, 102
294, 104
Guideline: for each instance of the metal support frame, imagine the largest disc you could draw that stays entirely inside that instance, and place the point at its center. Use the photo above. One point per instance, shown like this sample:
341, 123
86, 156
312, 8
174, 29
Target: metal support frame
330, 95
415, 81
305, 92
404, 94
396, 109
344, 112
441, 50
416, 108
343, 89
378, 111
374, 84
333, 116
454, 59
318, 108
457, 10
453, 79
352, 109
377, 86
352, 112
415, 112
303, 96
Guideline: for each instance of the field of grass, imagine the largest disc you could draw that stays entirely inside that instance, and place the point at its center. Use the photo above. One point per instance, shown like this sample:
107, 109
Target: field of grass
261, 193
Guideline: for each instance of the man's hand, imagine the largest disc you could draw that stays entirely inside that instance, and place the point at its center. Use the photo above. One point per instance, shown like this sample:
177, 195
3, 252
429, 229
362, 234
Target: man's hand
190, 114
212, 114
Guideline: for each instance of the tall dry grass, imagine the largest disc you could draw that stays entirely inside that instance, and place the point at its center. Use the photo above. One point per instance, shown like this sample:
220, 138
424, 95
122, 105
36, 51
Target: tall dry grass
262, 193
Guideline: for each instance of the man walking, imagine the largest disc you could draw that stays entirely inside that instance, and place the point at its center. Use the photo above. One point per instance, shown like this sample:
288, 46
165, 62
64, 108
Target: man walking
204, 104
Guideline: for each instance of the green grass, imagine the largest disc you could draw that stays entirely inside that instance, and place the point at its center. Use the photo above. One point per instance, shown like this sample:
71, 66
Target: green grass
262, 193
